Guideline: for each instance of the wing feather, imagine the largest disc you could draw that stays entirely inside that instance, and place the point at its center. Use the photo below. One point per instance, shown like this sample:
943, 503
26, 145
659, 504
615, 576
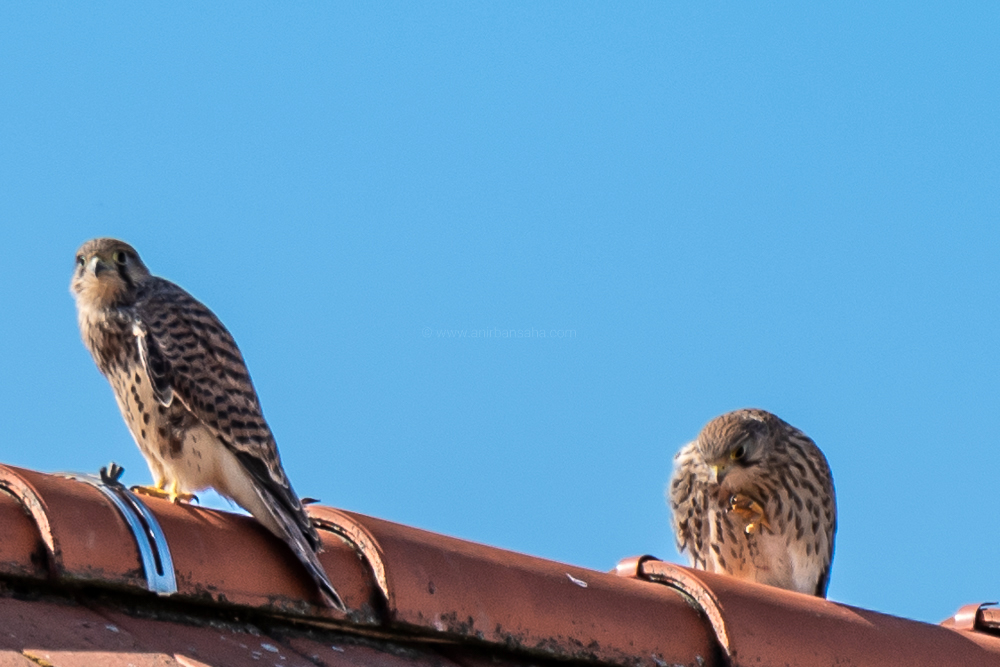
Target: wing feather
189, 355
687, 496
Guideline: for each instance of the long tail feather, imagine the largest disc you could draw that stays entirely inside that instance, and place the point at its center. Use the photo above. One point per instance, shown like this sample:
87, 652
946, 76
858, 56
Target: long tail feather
295, 537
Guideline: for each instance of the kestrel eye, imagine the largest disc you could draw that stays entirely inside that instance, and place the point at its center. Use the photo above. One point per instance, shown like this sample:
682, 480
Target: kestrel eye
738, 453
80, 260
119, 257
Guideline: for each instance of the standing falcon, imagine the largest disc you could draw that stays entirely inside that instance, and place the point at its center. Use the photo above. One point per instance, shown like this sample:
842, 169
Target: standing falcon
753, 497
186, 395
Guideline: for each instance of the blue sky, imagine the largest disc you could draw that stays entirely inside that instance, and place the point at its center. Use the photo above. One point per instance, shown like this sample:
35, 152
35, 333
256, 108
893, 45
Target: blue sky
779, 206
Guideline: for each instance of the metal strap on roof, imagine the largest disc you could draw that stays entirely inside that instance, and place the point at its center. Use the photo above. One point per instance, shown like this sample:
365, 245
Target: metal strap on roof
149, 538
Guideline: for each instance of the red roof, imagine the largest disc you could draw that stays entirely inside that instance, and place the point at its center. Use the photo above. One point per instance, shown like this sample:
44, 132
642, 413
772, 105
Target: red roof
92, 575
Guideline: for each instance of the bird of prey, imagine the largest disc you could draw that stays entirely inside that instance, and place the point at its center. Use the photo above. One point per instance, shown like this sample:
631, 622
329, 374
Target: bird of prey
753, 497
186, 395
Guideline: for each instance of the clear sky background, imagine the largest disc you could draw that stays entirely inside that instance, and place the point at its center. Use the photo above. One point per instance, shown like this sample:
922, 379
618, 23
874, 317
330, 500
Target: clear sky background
739, 204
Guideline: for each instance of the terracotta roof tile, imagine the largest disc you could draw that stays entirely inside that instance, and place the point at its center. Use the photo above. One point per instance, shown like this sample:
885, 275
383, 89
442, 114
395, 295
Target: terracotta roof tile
18, 554
342, 654
67, 636
442, 585
77, 567
14, 659
756, 624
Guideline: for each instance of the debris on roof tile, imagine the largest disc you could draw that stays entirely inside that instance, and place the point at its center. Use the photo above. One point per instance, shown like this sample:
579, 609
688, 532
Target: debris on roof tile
89, 576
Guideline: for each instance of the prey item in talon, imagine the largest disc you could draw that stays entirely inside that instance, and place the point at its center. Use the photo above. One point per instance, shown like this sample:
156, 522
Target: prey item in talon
750, 511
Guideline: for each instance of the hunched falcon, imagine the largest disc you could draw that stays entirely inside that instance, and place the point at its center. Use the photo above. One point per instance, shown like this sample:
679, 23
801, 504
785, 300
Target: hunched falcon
186, 395
753, 497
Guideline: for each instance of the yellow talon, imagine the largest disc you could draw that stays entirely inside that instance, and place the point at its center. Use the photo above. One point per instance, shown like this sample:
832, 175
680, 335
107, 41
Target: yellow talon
750, 511
173, 495
176, 496
152, 491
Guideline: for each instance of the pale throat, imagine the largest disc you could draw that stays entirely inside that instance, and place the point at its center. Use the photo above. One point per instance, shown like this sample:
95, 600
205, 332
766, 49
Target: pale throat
98, 295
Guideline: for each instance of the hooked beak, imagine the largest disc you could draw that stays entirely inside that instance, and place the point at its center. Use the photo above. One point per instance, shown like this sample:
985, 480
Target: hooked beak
95, 266
717, 472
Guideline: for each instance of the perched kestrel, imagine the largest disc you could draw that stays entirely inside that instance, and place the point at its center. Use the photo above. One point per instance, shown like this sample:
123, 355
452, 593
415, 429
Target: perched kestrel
753, 497
186, 395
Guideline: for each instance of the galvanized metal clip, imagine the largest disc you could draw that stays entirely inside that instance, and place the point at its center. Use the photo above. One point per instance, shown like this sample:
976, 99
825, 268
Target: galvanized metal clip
149, 538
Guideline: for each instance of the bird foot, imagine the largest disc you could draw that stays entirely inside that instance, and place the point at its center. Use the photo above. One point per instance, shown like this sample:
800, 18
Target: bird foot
173, 496
750, 511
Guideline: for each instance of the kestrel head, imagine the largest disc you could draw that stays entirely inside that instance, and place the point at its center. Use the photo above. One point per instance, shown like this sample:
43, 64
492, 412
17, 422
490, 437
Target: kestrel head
737, 440
107, 271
